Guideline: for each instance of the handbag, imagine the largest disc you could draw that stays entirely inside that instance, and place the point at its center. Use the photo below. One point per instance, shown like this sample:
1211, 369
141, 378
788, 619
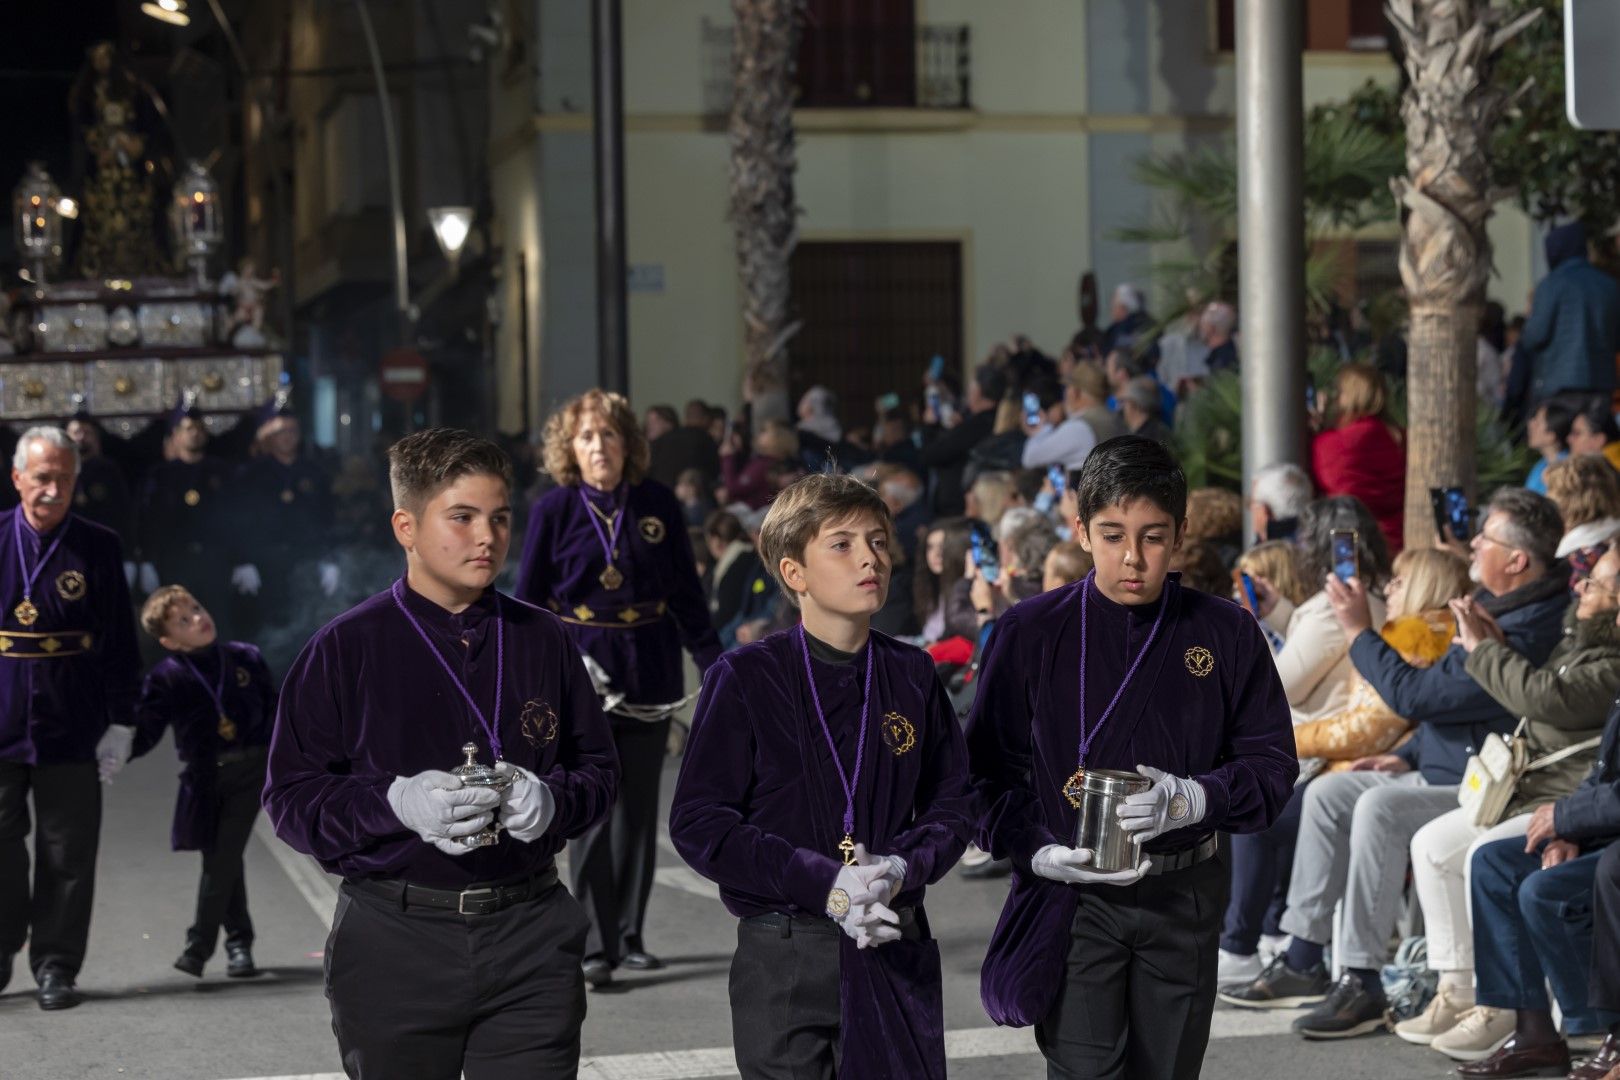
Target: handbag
1494, 773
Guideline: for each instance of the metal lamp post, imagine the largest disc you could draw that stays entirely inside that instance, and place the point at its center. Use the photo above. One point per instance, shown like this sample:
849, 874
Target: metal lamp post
194, 218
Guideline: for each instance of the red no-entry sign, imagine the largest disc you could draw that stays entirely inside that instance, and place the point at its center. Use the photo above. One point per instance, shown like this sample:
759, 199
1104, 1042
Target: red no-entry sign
403, 374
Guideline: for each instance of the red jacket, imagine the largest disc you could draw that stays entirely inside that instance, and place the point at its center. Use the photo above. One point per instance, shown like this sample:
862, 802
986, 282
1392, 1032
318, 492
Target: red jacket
1365, 459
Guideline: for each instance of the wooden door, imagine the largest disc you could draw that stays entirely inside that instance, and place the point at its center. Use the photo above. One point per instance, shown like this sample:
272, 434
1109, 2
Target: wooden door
858, 54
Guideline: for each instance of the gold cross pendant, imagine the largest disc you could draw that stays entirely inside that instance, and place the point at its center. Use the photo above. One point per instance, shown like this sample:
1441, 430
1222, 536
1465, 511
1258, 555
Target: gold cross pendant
847, 847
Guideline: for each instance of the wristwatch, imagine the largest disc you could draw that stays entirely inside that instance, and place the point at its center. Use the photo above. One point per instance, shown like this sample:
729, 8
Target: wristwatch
838, 903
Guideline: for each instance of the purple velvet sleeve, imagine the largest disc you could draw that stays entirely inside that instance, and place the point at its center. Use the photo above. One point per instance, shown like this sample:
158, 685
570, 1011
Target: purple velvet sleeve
1258, 762
708, 822
318, 803
944, 799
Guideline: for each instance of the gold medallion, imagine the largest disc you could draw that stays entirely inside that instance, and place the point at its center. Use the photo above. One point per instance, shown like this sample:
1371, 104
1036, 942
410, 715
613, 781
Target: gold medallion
1073, 788
838, 903
287, 495
70, 585
193, 497
611, 578
846, 847
26, 612
227, 728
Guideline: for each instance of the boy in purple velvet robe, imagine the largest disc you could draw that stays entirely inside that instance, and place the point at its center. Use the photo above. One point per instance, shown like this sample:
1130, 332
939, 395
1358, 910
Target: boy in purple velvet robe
220, 700
1123, 670
454, 948
824, 787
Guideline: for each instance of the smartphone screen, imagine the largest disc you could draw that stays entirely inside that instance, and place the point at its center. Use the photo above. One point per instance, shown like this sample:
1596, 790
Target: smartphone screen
936, 368
1032, 409
888, 402
1058, 479
1345, 564
984, 557
1459, 515
1249, 594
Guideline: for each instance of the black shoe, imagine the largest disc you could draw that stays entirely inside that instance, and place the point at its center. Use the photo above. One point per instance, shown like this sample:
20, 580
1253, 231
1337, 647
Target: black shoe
1279, 986
5, 969
639, 959
598, 973
1348, 1010
993, 868
191, 963
56, 991
239, 962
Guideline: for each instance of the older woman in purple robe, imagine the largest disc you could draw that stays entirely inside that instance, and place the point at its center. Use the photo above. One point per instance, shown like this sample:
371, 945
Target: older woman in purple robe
607, 550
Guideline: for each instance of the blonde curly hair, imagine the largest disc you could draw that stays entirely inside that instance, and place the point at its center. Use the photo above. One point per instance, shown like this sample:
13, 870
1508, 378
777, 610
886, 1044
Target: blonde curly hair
557, 452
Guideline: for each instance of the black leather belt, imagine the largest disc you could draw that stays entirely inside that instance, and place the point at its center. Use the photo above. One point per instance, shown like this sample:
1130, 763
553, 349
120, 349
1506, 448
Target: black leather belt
473, 900
234, 757
1181, 860
912, 926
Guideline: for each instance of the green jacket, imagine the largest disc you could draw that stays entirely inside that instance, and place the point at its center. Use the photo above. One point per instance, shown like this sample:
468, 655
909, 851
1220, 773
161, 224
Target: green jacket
1563, 702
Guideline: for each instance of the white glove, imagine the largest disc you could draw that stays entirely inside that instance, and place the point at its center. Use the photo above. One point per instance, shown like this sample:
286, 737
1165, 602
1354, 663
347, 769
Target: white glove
330, 578
438, 808
527, 806
1173, 802
246, 579
130, 569
867, 921
1072, 866
894, 876
149, 578
113, 750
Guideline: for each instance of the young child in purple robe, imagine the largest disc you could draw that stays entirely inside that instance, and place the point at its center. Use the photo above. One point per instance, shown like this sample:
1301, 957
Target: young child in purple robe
220, 700
824, 786
1127, 671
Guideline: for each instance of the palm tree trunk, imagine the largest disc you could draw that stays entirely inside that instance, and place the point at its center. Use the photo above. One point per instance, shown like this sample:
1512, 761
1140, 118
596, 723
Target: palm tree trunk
1449, 109
763, 212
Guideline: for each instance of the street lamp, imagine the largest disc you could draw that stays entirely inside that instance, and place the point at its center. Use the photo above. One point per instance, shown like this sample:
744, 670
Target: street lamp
194, 218
38, 227
451, 226
172, 12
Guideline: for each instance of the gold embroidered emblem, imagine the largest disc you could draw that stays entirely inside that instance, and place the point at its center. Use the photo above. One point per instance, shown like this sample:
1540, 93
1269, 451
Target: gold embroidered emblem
193, 497
1199, 660
583, 613
243, 678
629, 615
539, 722
50, 645
6, 644
70, 585
652, 530
898, 733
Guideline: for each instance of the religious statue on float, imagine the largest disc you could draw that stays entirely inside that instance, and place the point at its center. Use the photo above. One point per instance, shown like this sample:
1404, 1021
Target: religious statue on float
109, 104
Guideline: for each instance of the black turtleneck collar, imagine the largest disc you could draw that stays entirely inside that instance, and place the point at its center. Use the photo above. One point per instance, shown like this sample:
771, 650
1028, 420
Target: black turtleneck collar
435, 617
826, 653
610, 498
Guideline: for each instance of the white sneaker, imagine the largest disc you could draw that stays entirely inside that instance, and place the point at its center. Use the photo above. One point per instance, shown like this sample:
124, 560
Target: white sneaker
1234, 968
1271, 945
1480, 1032
1445, 1009
973, 856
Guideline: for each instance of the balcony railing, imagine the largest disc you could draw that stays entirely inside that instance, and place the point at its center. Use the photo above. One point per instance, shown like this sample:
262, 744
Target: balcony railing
921, 67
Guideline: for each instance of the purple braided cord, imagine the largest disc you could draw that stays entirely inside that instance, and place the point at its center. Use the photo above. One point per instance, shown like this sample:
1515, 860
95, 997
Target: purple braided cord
1085, 738
492, 730
860, 745
609, 540
30, 576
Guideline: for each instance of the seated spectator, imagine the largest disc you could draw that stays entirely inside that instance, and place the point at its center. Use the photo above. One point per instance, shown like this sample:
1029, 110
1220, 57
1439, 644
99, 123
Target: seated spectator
1586, 490
1277, 494
677, 449
735, 567
660, 420
1139, 404
822, 443
1314, 662
1201, 567
1561, 703
1215, 328
1066, 564
949, 440
1215, 516
1129, 321
748, 478
1274, 567
945, 547
1352, 822
1420, 627
992, 493
1593, 431
1003, 451
1364, 452
1604, 995
902, 492
1078, 422
697, 501
1532, 902
892, 441
716, 426
1547, 433
1124, 366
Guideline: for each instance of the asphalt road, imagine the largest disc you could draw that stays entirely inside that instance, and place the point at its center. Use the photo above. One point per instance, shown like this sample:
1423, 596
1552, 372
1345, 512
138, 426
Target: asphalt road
143, 1019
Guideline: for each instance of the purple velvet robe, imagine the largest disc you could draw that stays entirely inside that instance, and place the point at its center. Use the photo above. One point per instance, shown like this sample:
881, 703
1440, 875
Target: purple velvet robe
365, 703
172, 697
563, 559
1206, 704
77, 668
759, 810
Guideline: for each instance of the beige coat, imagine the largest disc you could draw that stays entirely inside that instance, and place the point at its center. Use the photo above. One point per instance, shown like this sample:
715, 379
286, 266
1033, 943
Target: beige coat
1314, 663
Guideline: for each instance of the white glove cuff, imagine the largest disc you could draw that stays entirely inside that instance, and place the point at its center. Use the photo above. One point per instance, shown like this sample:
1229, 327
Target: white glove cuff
396, 799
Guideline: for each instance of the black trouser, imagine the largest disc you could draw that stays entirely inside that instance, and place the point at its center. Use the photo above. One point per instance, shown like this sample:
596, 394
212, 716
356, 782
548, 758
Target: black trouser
423, 994
612, 863
1604, 992
55, 919
222, 891
785, 1011
1140, 987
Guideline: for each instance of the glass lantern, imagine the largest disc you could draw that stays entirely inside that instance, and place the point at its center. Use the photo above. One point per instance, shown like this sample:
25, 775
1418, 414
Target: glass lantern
194, 219
38, 225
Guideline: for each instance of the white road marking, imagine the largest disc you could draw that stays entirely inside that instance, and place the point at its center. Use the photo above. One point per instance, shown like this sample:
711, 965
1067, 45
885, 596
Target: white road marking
718, 1063
308, 878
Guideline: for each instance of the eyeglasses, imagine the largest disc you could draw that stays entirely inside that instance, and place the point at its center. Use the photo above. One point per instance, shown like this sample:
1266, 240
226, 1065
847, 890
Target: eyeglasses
1488, 538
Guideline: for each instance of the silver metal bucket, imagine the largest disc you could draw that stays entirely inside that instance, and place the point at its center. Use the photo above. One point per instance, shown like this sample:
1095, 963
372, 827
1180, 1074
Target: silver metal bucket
1102, 792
